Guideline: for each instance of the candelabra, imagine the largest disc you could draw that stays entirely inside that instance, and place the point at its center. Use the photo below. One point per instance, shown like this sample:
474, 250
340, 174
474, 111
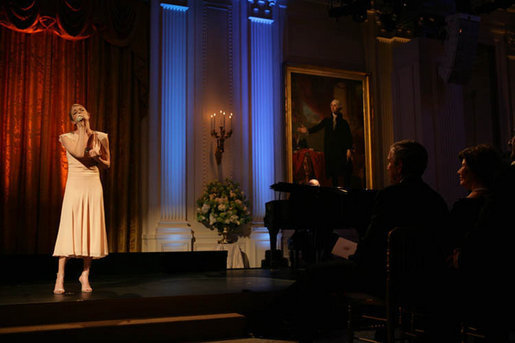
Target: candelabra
222, 134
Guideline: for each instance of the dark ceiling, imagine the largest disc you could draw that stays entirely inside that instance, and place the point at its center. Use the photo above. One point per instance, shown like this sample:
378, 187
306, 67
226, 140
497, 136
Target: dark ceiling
412, 17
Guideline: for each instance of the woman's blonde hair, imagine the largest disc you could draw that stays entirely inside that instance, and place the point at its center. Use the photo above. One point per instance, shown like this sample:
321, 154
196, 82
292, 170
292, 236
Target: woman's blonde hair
71, 109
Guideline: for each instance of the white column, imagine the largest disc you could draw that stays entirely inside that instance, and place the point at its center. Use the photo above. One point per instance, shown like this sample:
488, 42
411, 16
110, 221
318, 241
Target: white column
262, 130
262, 114
152, 185
173, 232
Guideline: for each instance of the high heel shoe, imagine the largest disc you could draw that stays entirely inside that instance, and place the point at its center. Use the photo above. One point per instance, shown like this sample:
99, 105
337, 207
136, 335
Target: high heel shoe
59, 289
85, 287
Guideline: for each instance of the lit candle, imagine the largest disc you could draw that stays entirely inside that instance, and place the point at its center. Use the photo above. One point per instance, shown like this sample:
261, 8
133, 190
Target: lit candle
224, 121
230, 122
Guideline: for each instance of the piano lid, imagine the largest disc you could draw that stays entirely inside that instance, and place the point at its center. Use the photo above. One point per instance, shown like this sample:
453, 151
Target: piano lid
296, 187
331, 207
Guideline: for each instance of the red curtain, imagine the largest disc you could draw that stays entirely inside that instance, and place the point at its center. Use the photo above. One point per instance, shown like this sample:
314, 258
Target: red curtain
69, 19
103, 66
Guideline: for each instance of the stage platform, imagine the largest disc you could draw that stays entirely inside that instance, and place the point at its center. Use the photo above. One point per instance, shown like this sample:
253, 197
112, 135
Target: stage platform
43, 266
116, 287
144, 297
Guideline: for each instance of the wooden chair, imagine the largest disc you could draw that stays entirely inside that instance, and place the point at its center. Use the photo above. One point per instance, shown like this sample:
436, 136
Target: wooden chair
471, 333
414, 272
412, 262
365, 312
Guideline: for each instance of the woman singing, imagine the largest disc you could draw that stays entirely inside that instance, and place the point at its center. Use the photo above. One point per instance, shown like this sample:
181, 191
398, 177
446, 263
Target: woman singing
82, 232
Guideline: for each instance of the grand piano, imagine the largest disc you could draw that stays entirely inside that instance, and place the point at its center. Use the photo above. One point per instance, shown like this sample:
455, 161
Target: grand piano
314, 213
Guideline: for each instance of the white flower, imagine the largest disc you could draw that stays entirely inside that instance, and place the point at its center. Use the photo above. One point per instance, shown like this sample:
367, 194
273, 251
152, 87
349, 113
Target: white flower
222, 204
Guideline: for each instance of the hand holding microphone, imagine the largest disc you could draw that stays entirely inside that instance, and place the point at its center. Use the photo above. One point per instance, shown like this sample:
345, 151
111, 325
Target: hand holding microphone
80, 121
83, 122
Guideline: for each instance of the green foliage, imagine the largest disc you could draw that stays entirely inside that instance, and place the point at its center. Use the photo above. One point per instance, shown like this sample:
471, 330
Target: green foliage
223, 204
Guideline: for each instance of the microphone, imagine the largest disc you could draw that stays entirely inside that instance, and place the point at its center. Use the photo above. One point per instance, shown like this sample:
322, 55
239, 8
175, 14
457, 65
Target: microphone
79, 118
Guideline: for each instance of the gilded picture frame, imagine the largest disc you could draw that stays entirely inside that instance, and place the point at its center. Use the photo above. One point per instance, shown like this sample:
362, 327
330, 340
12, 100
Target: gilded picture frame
309, 91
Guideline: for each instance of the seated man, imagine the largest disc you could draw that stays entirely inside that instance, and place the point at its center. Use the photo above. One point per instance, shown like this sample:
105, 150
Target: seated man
408, 201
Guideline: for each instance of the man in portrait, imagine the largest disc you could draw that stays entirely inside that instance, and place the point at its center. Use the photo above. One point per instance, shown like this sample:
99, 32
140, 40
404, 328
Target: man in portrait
337, 145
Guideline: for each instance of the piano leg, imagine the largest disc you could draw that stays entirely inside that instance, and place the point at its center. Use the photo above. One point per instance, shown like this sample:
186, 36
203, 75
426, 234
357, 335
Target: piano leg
302, 248
273, 257
312, 245
273, 238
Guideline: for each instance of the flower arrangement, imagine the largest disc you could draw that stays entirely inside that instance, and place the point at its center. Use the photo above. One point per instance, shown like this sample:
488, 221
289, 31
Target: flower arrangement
223, 205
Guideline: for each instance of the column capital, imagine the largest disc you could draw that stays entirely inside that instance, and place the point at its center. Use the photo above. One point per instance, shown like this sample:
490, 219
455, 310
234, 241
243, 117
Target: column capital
261, 8
174, 7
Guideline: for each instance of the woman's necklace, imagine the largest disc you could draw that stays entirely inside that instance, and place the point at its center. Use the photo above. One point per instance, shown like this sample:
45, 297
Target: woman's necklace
477, 192
480, 189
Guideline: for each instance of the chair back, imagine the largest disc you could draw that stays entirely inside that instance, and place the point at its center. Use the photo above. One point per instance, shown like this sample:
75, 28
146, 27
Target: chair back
414, 264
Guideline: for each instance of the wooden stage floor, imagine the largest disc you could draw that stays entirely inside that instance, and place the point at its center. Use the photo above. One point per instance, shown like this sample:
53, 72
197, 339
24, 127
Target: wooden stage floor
148, 285
165, 297
154, 297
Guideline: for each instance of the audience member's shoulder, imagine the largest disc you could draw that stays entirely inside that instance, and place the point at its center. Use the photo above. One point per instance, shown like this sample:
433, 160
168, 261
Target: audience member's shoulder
505, 182
468, 204
437, 195
412, 187
398, 188
389, 190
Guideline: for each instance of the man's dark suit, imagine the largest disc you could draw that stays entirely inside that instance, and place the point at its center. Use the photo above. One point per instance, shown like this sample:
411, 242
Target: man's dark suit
411, 202
336, 143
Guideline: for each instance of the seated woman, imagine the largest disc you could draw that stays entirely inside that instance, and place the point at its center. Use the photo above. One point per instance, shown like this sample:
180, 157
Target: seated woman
479, 167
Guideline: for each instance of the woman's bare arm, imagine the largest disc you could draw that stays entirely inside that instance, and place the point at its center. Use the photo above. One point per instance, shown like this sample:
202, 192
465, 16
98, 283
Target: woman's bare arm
77, 147
100, 151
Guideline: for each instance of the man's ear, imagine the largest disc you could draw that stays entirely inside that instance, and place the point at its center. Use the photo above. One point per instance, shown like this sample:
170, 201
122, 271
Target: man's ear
398, 168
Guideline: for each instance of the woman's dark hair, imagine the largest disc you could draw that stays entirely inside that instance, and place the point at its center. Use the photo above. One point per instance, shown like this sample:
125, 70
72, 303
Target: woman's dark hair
483, 160
413, 156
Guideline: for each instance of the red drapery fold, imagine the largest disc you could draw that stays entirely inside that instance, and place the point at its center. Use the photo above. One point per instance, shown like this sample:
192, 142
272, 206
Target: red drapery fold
69, 19
41, 75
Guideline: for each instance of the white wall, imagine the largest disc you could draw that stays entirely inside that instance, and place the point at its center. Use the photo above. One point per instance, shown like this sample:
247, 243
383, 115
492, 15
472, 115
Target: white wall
218, 77
408, 100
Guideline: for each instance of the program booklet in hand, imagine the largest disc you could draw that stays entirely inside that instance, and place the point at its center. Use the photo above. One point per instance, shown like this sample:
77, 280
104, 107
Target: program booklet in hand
344, 248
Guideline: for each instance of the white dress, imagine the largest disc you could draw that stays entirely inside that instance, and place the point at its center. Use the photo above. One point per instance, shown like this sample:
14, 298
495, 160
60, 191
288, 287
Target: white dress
82, 231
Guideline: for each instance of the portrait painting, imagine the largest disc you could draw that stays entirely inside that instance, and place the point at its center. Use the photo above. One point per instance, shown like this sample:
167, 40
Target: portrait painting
311, 92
